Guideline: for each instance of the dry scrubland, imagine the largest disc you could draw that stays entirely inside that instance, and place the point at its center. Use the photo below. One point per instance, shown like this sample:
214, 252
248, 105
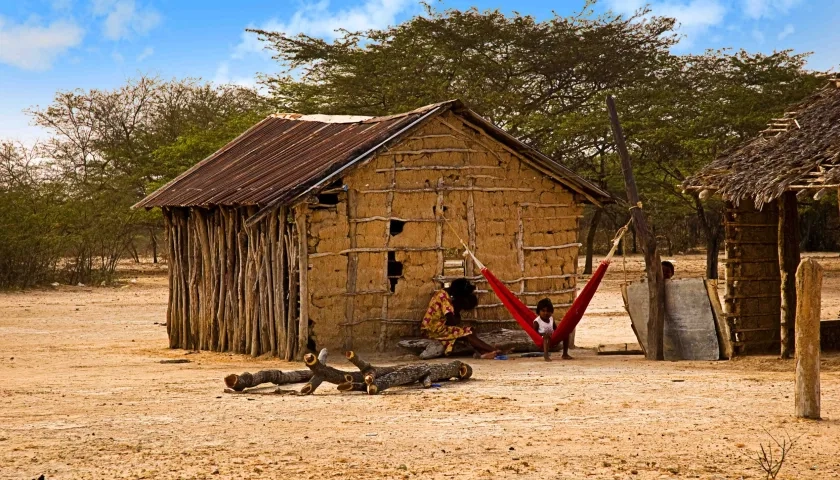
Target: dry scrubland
83, 395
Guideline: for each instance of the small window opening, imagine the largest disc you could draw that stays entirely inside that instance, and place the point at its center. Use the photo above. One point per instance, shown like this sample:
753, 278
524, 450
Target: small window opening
454, 265
328, 198
395, 270
396, 227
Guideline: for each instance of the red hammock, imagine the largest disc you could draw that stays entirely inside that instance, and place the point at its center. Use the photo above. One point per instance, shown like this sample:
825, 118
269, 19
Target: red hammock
525, 316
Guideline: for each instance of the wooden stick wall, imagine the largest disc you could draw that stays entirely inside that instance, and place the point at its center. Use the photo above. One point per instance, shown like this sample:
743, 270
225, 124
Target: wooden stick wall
230, 284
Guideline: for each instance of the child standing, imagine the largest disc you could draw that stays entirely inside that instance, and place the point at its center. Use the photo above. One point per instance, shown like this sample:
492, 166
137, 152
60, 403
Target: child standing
544, 325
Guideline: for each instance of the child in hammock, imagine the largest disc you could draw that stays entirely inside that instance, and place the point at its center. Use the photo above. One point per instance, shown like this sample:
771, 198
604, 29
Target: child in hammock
544, 325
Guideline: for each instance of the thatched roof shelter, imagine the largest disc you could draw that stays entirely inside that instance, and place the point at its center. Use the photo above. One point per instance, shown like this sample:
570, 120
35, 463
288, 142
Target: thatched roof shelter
760, 181
800, 151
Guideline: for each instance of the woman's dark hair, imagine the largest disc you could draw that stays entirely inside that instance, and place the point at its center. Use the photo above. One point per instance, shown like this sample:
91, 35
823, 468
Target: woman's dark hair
468, 302
460, 288
462, 293
545, 303
667, 265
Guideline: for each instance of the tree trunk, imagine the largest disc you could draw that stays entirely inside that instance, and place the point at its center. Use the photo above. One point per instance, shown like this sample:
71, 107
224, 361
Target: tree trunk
153, 239
590, 240
656, 283
712, 252
401, 376
712, 239
323, 373
247, 380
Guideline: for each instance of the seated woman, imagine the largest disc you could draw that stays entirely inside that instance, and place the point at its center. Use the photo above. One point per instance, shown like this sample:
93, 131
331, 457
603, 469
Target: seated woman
444, 314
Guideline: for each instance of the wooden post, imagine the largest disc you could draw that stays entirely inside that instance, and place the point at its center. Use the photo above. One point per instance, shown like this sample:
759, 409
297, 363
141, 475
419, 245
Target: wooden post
656, 283
788, 261
808, 285
303, 271
352, 271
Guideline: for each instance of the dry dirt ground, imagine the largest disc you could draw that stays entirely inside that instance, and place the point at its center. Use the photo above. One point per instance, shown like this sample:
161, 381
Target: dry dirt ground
83, 395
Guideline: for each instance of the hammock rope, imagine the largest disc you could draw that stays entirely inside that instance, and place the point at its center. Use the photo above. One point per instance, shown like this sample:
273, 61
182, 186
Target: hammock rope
523, 315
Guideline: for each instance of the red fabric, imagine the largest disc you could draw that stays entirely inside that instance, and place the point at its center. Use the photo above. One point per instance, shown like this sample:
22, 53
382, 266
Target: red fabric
525, 316
521, 313
576, 311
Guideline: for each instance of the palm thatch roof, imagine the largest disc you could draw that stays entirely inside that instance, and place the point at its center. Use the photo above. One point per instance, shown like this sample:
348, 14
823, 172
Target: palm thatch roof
800, 151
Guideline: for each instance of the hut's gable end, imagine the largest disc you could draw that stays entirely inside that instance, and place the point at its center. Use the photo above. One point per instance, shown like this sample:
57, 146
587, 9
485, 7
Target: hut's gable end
378, 256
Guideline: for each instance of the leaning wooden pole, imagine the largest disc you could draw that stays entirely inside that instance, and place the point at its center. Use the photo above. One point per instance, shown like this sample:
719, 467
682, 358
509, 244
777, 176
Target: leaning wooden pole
303, 272
656, 283
788, 232
807, 390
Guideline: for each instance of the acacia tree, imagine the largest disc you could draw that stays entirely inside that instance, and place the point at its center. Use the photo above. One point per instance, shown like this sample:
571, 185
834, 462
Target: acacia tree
110, 148
545, 81
706, 104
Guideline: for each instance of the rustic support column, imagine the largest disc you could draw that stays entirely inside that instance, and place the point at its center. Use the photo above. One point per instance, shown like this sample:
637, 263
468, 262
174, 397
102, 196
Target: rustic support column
788, 261
352, 271
303, 271
656, 283
808, 286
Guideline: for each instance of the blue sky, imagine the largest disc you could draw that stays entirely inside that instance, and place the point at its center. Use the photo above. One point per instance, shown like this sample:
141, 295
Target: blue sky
50, 45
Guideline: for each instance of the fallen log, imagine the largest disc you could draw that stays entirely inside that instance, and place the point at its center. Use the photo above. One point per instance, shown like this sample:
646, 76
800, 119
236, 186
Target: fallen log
323, 373
248, 380
401, 376
443, 372
426, 374
369, 378
505, 339
245, 380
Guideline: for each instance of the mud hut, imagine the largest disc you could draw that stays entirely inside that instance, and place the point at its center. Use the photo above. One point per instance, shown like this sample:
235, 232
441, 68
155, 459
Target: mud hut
797, 156
326, 230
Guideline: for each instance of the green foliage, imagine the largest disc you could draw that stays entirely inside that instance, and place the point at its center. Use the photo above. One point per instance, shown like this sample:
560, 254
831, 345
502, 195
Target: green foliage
546, 81
30, 244
68, 215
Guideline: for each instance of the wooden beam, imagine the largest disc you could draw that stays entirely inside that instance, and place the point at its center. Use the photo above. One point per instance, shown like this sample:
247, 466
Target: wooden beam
788, 244
656, 283
449, 189
807, 375
352, 271
303, 271
388, 219
436, 167
553, 247
428, 151
471, 233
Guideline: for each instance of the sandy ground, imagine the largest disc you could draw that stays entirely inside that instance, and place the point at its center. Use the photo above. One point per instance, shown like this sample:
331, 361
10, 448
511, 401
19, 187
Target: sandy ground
83, 395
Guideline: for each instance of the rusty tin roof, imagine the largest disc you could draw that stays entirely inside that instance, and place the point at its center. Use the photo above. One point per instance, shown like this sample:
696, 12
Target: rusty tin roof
286, 156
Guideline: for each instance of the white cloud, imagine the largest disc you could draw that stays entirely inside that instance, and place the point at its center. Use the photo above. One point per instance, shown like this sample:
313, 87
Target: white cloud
146, 53
758, 35
35, 47
223, 77
693, 17
318, 20
117, 56
124, 18
788, 31
768, 8
61, 5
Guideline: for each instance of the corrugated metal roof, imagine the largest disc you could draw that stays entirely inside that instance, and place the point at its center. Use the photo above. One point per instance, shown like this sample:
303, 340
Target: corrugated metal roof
281, 158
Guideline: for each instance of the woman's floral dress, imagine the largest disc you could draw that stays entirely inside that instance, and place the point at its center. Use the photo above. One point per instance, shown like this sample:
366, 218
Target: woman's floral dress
434, 322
